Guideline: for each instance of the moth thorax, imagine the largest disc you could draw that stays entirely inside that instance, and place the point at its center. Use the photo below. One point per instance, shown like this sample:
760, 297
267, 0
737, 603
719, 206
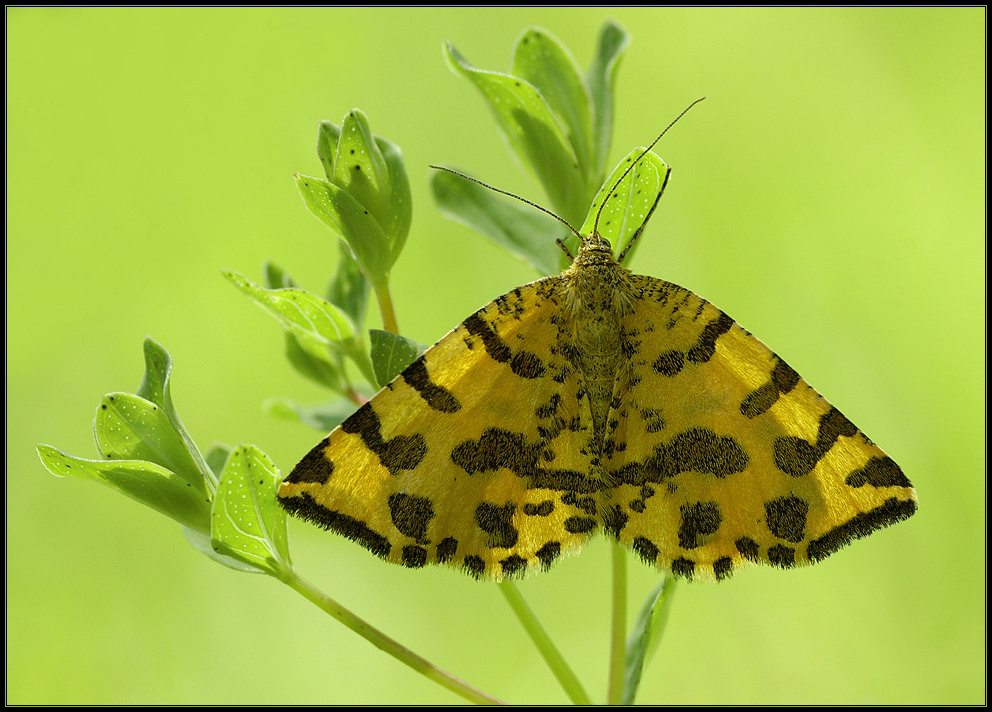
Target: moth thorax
600, 287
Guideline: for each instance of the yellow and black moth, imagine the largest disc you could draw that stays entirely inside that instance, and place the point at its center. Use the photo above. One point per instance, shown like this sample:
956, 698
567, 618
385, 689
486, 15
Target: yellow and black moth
599, 400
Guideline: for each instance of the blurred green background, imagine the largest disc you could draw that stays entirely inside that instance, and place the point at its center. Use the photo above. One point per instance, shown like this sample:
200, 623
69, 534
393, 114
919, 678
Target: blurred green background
829, 195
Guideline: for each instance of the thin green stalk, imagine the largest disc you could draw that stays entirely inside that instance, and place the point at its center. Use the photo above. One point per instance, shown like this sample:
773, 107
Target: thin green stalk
385, 300
566, 678
618, 633
385, 643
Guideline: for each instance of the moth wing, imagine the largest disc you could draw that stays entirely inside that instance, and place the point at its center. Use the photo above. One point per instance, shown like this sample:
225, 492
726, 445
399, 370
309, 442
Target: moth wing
474, 456
722, 455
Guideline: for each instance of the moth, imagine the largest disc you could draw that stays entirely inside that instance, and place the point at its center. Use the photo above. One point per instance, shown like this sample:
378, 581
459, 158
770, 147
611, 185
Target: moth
595, 401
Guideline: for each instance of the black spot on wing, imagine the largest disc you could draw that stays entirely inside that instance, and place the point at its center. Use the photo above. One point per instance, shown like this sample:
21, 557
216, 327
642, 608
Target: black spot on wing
723, 568
446, 549
654, 420
513, 565
527, 365
437, 397
498, 448
586, 504
305, 507
784, 376
786, 518
798, 457
474, 566
705, 345
783, 380
569, 481
699, 521
314, 467
646, 549
759, 400
783, 556
414, 557
748, 548
795, 456
693, 450
497, 522
548, 553
669, 363
702, 450
403, 452
579, 525
683, 568
549, 409
672, 362
879, 472
891, 511
614, 520
494, 345
539, 510
411, 515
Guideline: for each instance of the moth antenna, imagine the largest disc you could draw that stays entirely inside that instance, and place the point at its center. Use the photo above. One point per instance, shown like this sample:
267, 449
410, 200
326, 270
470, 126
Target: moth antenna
634, 163
513, 195
564, 248
644, 223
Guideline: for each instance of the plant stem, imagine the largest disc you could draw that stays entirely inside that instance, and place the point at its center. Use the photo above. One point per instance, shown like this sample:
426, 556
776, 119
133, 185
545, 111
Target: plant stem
385, 300
385, 643
552, 656
618, 636
356, 397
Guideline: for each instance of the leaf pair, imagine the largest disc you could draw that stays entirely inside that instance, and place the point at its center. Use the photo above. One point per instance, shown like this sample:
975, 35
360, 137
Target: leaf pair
224, 502
366, 197
557, 124
318, 333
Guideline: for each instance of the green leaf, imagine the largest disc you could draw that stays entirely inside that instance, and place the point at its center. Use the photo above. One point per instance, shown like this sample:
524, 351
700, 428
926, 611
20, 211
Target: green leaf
391, 354
613, 42
544, 62
128, 427
631, 202
520, 229
275, 277
247, 523
533, 134
399, 207
301, 312
323, 417
328, 135
156, 387
370, 171
145, 482
312, 360
216, 457
349, 289
315, 321
645, 636
352, 222
315, 362
203, 544
359, 168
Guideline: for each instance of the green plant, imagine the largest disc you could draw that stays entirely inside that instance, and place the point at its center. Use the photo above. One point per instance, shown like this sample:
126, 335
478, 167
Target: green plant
557, 123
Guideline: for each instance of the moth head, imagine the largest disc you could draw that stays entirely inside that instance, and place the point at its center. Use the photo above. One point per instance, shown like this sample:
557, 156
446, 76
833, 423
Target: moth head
594, 243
